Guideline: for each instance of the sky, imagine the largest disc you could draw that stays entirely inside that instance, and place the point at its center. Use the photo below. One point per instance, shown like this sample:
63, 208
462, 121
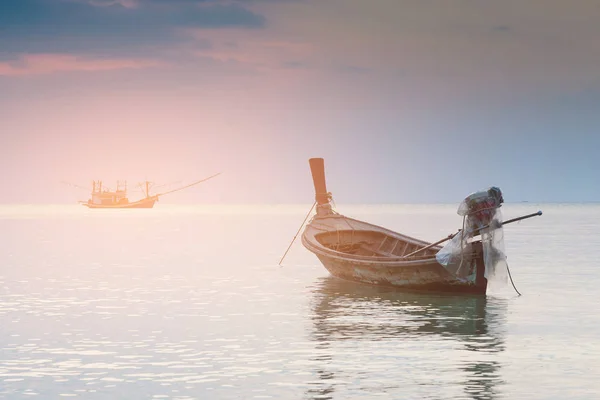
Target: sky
408, 101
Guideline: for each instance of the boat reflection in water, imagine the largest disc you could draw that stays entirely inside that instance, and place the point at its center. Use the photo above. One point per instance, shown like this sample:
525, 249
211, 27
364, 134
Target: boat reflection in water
373, 340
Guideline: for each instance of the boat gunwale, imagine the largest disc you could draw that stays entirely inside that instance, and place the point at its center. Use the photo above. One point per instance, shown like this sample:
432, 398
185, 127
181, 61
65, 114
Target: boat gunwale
366, 260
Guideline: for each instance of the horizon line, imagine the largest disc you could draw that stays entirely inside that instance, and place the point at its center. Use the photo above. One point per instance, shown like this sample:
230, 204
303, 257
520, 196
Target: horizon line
303, 203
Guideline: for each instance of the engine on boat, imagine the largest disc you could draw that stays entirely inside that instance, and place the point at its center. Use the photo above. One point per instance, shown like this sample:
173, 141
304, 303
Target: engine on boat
481, 218
480, 207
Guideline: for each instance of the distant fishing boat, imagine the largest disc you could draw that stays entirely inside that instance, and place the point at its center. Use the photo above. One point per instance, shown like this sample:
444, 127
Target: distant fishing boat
103, 197
359, 251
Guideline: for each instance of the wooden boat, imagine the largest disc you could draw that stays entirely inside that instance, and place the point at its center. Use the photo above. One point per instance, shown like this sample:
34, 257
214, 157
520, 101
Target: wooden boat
102, 197
359, 251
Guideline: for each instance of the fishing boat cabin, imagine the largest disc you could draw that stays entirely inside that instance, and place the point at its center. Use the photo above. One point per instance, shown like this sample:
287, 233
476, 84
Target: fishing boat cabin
103, 196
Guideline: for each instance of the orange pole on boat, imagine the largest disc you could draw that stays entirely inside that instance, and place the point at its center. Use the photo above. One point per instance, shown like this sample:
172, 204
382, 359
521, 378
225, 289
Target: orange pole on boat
317, 168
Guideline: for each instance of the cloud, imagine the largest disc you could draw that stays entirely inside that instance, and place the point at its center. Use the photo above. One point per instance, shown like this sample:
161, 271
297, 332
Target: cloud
501, 28
43, 26
64, 15
40, 64
294, 65
353, 69
260, 51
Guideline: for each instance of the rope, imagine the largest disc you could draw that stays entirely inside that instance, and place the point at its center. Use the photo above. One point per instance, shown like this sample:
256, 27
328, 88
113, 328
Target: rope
187, 186
294, 239
511, 280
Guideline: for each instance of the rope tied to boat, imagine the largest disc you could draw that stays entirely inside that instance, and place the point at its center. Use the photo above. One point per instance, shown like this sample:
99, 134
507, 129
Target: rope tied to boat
295, 236
511, 280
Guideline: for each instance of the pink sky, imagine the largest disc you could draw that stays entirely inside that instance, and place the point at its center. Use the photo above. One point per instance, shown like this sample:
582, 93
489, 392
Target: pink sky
255, 88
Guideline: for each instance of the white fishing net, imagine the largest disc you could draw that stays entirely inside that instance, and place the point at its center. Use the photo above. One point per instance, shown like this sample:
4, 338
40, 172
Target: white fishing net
494, 254
482, 220
452, 255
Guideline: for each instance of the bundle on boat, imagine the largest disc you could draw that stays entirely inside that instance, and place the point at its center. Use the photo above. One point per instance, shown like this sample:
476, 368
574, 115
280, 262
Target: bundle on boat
359, 251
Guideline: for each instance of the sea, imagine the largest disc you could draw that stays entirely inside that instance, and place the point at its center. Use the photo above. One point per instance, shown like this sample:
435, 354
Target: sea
189, 302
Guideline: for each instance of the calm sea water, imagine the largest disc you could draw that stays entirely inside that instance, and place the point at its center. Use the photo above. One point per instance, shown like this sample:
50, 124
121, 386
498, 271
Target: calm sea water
188, 302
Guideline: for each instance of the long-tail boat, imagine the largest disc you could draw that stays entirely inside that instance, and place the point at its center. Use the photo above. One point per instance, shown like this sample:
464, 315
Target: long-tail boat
360, 251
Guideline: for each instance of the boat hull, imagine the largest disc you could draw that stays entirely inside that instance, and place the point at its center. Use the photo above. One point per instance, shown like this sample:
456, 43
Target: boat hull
417, 278
144, 203
384, 263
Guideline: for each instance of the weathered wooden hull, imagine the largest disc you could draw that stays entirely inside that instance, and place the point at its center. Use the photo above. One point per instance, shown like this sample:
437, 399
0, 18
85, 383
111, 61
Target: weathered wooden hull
387, 266
419, 278
144, 203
